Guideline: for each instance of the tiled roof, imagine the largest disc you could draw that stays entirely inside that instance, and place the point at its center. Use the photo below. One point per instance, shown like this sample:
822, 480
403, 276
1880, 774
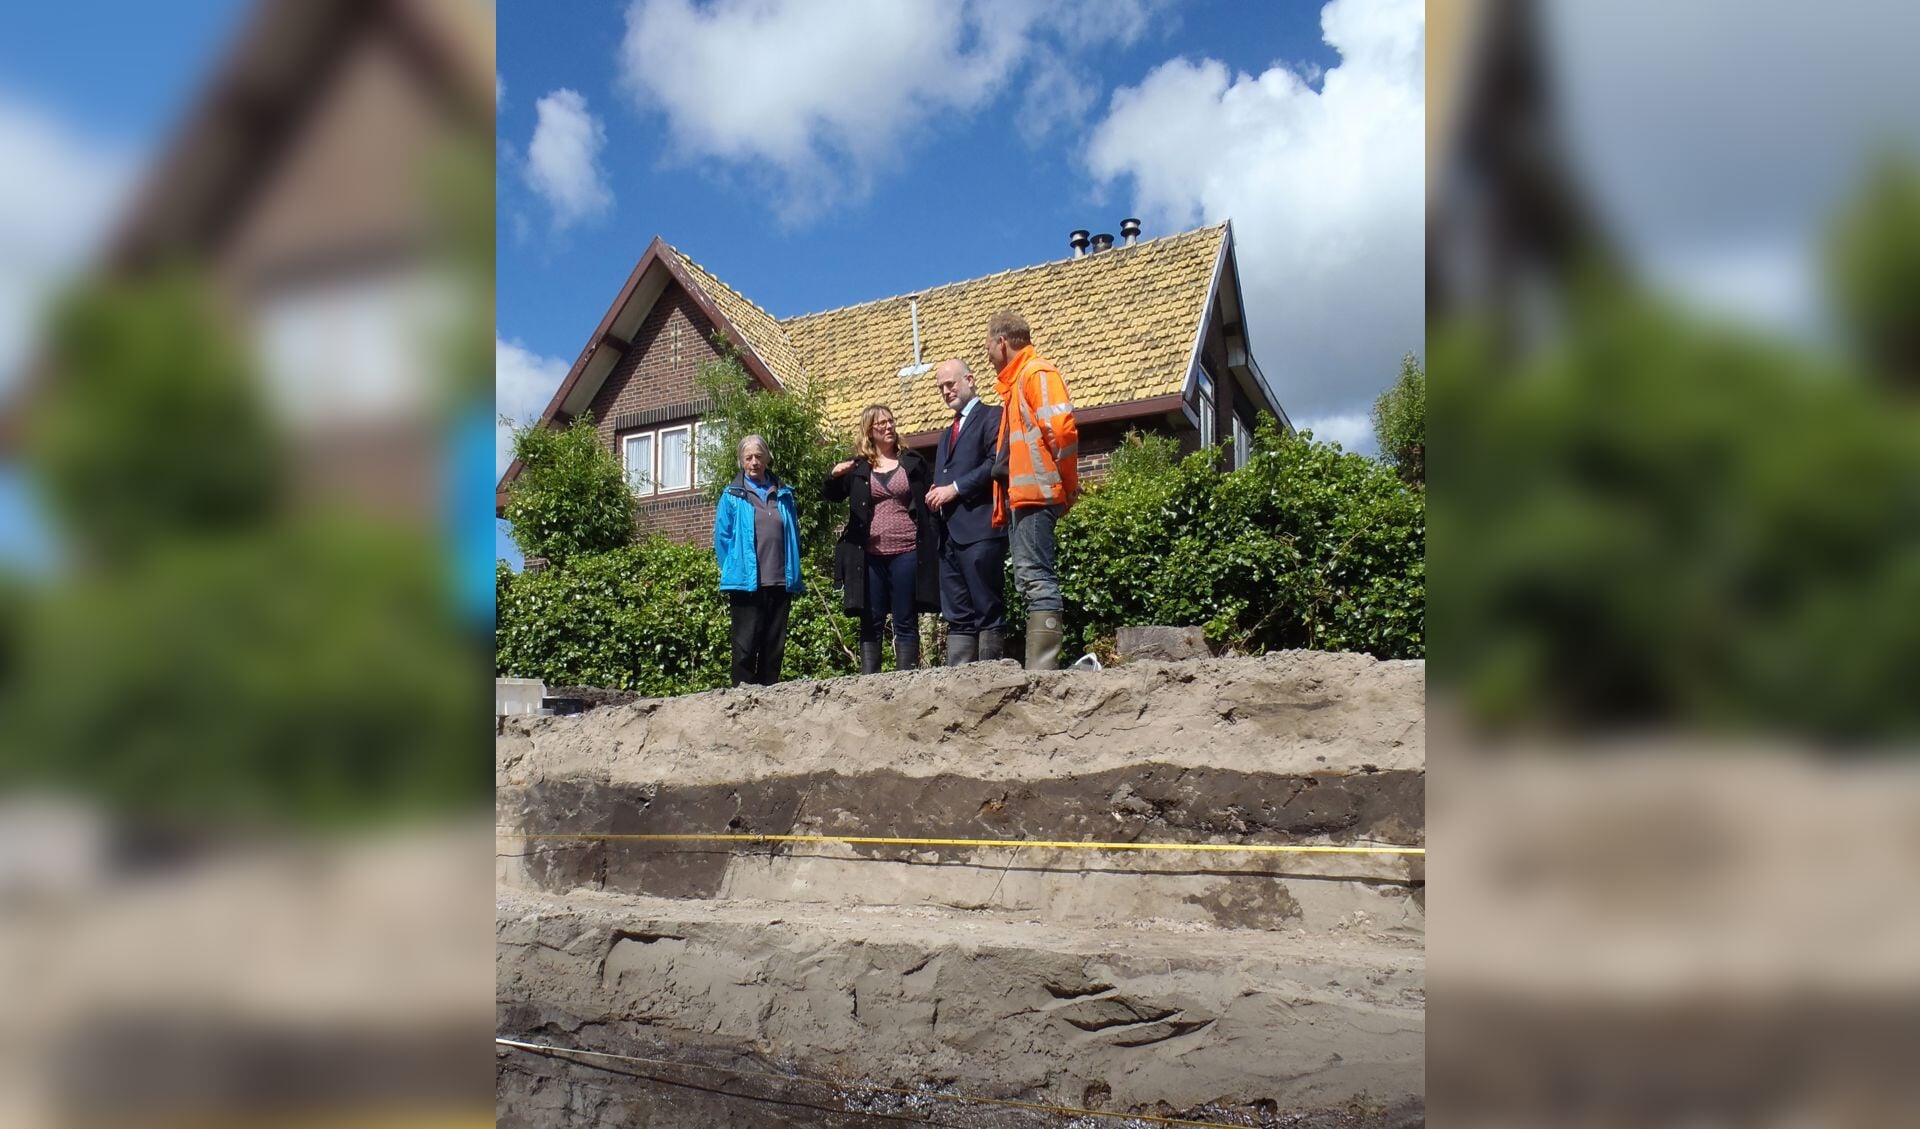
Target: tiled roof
763, 334
1120, 324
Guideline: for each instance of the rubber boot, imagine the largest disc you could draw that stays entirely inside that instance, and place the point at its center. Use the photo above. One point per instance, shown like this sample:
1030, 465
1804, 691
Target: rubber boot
869, 657
1043, 641
962, 649
993, 646
906, 652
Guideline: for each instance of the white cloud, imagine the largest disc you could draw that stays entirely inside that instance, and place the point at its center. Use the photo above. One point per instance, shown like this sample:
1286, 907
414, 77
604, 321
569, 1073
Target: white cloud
499, 91
1325, 189
563, 159
60, 192
1352, 430
1723, 143
523, 382
1773, 282
832, 96
1056, 101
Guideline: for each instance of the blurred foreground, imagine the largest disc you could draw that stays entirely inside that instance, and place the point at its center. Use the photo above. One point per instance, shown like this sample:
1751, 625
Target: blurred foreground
1675, 577
245, 742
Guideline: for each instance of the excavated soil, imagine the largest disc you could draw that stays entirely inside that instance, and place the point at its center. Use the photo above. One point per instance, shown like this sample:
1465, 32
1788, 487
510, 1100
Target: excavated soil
1295, 712
1233, 986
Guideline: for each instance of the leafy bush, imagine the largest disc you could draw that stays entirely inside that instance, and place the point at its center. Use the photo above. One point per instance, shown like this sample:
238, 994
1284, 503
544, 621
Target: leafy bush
1400, 422
1660, 520
650, 617
156, 427
570, 498
794, 425
1874, 267
312, 671
1305, 546
212, 654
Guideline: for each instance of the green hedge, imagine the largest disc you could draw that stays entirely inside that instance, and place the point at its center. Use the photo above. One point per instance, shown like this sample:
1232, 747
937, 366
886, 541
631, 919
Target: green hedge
313, 671
1307, 546
650, 617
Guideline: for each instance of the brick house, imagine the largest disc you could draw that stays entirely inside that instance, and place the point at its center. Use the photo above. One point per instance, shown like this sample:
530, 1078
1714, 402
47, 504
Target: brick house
1150, 336
301, 185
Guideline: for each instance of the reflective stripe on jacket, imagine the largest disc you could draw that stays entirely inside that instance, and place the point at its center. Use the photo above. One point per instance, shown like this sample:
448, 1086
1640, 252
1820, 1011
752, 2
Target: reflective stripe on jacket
1037, 432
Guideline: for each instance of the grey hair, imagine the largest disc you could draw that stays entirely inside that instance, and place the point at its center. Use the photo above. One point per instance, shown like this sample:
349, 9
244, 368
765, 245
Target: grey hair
741, 451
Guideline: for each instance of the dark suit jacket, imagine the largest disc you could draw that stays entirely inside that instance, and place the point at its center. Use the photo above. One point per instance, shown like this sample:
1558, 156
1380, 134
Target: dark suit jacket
967, 467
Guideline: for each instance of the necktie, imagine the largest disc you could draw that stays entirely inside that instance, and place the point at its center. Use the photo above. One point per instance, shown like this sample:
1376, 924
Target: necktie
954, 435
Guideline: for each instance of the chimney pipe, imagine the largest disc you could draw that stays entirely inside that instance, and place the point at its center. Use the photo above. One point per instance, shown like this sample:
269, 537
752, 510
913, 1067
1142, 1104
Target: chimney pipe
1078, 241
1102, 242
918, 367
1130, 230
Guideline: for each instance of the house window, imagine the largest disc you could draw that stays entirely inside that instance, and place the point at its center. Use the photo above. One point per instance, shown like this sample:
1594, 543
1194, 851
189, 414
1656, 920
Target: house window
638, 454
1206, 410
676, 457
353, 348
703, 441
1242, 444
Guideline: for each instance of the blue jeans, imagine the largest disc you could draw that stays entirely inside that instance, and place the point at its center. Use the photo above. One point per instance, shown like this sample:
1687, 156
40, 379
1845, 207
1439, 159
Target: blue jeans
890, 588
1031, 543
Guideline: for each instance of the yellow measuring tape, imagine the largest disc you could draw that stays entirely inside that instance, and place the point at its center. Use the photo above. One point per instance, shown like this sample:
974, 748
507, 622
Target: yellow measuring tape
855, 1087
889, 841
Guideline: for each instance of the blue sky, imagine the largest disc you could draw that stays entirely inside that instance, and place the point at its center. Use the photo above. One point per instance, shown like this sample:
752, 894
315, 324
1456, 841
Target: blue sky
143, 63
816, 155
956, 198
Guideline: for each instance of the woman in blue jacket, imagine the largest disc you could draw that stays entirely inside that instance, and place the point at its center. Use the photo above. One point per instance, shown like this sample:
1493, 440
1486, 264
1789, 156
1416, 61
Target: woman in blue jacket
756, 537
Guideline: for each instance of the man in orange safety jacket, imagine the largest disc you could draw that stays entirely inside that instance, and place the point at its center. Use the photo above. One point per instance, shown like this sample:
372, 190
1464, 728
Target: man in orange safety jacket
1037, 465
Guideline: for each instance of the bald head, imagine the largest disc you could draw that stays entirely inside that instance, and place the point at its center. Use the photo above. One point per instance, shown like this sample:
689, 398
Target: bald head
955, 382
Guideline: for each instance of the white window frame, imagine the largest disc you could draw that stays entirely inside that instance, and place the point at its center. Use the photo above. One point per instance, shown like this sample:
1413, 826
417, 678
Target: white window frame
1207, 411
653, 455
660, 460
700, 476
1242, 443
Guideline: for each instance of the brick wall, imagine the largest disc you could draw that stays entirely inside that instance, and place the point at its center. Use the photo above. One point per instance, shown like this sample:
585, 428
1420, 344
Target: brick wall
683, 517
658, 372
653, 387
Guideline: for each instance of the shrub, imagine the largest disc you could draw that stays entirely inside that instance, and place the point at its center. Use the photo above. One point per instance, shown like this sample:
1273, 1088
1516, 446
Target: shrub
570, 498
1400, 422
793, 424
650, 617
312, 672
1305, 546
156, 427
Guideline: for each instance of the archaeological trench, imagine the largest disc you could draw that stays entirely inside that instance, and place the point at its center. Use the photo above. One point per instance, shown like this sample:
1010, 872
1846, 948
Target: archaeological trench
830, 983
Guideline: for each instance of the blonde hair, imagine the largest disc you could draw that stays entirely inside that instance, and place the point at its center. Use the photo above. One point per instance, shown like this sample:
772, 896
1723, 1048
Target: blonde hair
863, 444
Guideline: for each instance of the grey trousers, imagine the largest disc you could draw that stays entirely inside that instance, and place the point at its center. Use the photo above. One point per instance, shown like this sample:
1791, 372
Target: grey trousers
1030, 540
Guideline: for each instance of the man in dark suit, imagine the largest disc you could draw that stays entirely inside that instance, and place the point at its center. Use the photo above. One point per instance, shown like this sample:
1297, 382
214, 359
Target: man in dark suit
973, 553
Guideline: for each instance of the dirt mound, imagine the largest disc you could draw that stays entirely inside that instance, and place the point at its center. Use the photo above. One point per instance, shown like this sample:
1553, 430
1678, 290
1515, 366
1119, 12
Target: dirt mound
1296, 711
1266, 985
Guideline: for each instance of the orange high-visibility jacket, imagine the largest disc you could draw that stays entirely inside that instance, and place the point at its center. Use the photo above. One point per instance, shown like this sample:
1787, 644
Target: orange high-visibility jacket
1037, 432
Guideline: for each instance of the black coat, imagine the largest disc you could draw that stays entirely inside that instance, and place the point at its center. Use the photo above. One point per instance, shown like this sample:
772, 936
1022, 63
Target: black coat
967, 467
850, 555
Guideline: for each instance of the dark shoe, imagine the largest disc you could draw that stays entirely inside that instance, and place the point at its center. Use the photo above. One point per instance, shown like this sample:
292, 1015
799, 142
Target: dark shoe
962, 649
1043, 641
906, 652
993, 646
869, 658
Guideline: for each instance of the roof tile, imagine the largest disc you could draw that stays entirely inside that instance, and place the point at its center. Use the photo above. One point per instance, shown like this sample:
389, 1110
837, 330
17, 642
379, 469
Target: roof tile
1120, 324
763, 334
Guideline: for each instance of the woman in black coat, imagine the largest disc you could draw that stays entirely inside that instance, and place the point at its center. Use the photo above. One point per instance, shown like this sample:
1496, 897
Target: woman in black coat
888, 558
